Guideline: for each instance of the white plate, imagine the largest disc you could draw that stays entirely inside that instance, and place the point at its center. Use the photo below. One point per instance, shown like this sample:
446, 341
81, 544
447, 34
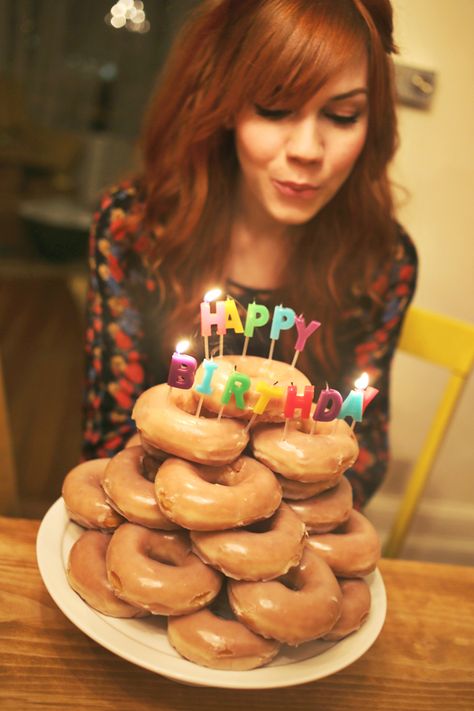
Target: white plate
144, 641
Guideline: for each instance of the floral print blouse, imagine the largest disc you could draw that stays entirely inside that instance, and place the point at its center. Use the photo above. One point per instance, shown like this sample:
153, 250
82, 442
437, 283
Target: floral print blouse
123, 327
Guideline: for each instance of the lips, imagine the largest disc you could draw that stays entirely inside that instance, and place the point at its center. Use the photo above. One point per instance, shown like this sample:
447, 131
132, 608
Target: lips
290, 189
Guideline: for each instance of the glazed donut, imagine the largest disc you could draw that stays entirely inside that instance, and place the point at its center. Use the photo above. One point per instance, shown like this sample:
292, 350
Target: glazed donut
352, 550
205, 498
130, 493
153, 458
210, 640
134, 440
166, 421
262, 552
85, 499
157, 571
296, 490
87, 575
258, 369
355, 608
303, 605
302, 456
325, 511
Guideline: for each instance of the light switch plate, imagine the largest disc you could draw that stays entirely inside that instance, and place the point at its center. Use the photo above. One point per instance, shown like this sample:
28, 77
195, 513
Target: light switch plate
415, 87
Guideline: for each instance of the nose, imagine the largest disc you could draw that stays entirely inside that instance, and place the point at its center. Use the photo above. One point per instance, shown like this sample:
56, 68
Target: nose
306, 144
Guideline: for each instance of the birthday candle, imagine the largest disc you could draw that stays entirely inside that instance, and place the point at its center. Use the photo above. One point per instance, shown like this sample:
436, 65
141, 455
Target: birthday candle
369, 394
237, 384
298, 402
182, 368
204, 387
209, 319
232, 318
304, 331
257, 315
267, 392
294, 401
232, 321
353, 405
283, 319
328, 405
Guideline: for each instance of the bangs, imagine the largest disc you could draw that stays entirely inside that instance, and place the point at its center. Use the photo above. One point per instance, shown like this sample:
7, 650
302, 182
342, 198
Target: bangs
292, 49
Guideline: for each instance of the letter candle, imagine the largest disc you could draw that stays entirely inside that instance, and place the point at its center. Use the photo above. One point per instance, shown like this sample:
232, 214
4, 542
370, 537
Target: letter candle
182, 368
267, 393
297, 402
237, 384
304, 331
369, 394
328, 406
283, 319
257, 315
353, 405
204, 387
207, 319
232, 321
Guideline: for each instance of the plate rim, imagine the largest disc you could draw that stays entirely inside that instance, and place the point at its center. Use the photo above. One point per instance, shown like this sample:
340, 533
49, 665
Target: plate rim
49, 552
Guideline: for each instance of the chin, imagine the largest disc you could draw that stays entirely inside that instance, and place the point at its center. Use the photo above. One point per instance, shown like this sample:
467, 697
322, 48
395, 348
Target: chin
295, 218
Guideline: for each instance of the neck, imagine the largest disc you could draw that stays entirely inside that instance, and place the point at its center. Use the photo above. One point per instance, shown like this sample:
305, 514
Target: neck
259, 247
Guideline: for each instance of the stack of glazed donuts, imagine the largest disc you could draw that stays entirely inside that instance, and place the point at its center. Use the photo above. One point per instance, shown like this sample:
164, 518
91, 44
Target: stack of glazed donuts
240, 530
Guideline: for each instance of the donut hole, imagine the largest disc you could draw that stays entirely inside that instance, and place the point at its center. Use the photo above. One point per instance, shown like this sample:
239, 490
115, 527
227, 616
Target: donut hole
263, 526
184, 400
149, 467
292, 580
173, 558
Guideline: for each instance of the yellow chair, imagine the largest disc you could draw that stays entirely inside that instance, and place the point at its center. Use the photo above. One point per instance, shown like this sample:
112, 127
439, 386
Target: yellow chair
448, 343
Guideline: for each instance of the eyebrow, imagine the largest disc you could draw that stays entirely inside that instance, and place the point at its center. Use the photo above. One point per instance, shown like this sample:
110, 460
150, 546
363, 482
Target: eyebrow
349, 94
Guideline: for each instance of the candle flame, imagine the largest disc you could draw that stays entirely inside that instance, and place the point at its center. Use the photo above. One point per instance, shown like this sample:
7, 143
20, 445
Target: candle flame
212, 295
362, 382
182, 346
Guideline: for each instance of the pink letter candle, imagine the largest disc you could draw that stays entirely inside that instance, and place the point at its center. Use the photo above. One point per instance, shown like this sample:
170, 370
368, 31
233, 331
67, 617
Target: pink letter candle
304, 331
208, 319
369, 394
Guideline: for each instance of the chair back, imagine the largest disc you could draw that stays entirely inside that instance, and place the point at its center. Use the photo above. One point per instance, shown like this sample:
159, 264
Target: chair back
449, 343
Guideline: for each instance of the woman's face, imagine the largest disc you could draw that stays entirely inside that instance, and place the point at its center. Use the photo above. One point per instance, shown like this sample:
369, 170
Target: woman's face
294, 162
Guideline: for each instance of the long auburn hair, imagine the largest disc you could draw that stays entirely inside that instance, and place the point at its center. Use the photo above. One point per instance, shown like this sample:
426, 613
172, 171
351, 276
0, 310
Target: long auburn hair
272, 53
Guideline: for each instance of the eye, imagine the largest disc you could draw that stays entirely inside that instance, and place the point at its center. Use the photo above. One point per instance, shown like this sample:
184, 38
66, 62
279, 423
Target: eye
271, 114
343, 119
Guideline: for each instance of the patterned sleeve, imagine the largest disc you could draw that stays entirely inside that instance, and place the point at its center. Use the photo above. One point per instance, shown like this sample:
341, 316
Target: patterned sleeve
374, 354
115, 360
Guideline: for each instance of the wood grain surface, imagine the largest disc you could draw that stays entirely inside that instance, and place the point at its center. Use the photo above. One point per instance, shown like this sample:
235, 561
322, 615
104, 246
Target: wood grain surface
423, 659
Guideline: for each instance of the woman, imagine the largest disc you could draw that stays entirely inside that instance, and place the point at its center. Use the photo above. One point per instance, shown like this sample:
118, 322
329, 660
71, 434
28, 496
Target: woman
265, 156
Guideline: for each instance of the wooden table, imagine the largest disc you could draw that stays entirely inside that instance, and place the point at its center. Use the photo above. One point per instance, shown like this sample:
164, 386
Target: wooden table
422, 660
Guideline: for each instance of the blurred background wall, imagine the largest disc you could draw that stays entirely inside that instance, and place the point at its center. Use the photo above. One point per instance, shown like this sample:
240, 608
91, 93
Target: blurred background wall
73, 88
436, 168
